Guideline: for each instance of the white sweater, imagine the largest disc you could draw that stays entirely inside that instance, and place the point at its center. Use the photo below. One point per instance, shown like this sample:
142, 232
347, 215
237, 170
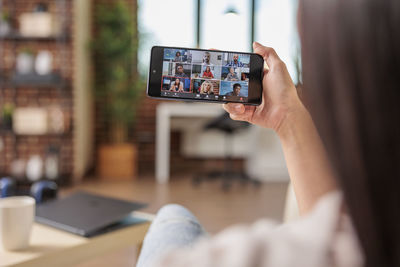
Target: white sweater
323, 238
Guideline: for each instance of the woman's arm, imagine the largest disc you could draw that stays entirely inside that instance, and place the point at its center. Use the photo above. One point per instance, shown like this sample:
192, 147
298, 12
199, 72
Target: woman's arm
282, 110
309, 168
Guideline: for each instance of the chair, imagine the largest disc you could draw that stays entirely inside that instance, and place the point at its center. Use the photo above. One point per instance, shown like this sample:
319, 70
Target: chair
229, 127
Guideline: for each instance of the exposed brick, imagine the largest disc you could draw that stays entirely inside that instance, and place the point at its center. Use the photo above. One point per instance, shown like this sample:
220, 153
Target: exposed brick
24, 96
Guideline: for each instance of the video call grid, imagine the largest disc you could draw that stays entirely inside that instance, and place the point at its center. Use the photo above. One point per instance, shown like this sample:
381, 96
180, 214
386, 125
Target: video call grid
190, 67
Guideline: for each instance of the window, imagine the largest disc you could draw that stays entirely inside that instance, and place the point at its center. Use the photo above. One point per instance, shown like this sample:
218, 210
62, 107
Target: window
225, 25
276, 27
167, 23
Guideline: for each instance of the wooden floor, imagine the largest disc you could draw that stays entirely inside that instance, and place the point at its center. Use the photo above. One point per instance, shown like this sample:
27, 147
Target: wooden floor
214, 208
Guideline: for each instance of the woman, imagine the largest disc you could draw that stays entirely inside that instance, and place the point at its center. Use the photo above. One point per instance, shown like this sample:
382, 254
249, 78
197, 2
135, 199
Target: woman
178, 57
207, 88
176, 86
207, 73
348, 194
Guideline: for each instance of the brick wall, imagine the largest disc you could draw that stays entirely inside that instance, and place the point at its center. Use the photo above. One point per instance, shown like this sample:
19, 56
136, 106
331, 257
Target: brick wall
24, 146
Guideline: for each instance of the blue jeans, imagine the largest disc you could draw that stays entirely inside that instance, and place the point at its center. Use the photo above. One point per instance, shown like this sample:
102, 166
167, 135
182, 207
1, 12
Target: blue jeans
174, 227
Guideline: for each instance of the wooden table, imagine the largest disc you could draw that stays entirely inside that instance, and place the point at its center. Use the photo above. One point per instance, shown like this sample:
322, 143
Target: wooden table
53, 247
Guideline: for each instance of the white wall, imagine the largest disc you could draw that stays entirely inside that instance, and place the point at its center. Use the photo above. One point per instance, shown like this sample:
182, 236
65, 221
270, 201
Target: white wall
83, 127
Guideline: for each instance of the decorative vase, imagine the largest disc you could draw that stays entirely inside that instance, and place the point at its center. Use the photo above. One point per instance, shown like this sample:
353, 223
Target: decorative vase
43, 62
34, 168
25, 63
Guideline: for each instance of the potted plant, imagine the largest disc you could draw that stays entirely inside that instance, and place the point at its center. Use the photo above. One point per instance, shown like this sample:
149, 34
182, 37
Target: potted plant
7, 113
5, 27
117, 86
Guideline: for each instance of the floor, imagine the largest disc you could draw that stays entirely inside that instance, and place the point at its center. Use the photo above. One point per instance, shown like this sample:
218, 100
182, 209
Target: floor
215, 208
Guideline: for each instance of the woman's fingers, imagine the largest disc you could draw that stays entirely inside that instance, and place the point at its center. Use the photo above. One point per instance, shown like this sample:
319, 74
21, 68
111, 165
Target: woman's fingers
268, 53
239, 112
234, 108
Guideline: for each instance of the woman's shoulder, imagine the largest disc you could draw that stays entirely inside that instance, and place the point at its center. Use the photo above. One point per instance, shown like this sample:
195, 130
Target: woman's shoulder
324, 237
314, 240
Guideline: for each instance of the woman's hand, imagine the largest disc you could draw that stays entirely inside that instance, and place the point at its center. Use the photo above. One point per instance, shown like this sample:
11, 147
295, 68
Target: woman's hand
279, 98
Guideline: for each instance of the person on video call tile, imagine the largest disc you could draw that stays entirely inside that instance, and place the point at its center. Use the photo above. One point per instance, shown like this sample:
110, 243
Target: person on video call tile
208, 73
236, 90
235, 62
206, 58
232, 76
176, 86
179, 71
206, 61
207, 88
178, 57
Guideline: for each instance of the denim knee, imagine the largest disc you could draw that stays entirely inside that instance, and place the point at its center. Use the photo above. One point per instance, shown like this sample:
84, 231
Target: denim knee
174, 211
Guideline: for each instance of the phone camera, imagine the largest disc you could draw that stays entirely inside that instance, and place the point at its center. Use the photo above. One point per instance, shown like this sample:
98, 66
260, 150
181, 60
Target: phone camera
154, 71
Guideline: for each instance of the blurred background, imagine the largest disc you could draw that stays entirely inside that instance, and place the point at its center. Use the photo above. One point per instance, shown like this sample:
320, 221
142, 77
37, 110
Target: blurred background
73, 107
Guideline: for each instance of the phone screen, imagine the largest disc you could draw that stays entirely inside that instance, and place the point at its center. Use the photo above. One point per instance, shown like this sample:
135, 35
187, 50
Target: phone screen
205, 75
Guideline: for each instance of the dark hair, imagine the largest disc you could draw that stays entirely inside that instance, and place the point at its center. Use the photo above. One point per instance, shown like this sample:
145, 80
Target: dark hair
179, 65
351, 74
177, 53
236, 85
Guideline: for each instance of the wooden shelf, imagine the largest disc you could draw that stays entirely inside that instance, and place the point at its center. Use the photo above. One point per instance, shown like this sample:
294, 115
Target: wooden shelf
11, 132
35, 80
54, 79
19, 37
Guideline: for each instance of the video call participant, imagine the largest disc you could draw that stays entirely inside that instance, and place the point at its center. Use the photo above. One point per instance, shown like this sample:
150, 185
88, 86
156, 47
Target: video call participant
236, 90
235, 62
178, 57
207, 88
206, 61
244, 77
208, 73
232, 76
206, 58
179, 71
176, 86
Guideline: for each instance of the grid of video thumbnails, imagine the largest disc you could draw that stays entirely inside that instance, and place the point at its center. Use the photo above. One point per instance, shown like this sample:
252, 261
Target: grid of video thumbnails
205, 75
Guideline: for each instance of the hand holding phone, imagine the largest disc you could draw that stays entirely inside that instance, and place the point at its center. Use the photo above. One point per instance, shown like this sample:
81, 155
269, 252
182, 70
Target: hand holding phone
205, 75
279, 95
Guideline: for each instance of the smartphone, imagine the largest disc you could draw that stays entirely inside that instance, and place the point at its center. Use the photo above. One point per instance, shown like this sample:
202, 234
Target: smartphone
205, 75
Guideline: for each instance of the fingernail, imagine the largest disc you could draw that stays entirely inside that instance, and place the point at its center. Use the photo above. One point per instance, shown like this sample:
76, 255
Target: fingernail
256, 44
238, 107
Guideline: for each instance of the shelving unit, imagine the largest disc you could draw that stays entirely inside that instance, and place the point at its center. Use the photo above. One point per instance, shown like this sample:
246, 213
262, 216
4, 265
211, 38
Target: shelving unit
33, 90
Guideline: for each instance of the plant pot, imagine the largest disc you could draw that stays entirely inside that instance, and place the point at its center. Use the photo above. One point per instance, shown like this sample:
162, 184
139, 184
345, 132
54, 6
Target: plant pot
117, 162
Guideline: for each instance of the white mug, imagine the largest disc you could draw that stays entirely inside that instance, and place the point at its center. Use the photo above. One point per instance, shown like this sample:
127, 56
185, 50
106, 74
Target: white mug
16, 219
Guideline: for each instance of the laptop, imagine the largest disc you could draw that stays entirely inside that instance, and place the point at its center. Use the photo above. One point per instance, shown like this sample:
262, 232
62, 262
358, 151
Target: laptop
86, 214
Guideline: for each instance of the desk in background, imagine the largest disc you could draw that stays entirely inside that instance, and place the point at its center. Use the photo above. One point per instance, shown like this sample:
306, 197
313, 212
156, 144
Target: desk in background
260, 147
165, 111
